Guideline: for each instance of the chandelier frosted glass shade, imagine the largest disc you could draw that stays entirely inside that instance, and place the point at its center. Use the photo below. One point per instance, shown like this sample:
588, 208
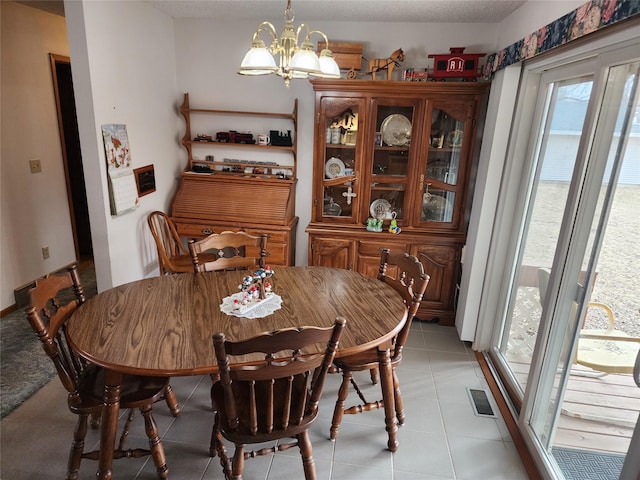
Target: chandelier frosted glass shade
305, 60
258, 61
328, 65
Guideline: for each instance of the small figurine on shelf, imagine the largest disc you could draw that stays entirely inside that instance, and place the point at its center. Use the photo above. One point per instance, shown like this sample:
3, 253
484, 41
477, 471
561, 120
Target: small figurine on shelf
394, 228
201, 137
374, 224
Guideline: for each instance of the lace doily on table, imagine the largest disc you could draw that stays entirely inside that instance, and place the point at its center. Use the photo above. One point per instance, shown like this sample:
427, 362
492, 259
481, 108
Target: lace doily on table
255, 309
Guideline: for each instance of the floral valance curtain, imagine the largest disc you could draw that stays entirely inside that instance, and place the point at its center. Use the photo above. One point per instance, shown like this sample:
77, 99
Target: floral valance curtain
591, 16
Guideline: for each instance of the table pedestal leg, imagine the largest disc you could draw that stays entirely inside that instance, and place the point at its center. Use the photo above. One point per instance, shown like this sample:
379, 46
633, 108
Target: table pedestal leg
386, 382
109, 424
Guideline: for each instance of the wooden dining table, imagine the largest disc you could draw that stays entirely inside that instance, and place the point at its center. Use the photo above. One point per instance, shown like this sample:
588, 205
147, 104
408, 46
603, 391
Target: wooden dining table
163, 326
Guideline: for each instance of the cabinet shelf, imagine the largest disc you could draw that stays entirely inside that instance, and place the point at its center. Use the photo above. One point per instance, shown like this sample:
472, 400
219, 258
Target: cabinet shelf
189, 143
390, 149
383, 187
341, 146
443, 150
241, 145
292, 116
254, 177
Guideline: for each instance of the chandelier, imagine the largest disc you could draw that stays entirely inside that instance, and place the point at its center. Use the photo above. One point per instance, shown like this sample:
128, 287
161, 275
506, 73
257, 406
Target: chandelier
294, 61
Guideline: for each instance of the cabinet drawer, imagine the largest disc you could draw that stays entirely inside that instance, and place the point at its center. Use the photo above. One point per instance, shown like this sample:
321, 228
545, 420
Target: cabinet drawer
196, 230
374, 248
274, 237
277, 254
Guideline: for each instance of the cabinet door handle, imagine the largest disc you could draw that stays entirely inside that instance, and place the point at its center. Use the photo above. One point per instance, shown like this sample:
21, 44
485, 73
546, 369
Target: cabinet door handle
207, 231
421, 184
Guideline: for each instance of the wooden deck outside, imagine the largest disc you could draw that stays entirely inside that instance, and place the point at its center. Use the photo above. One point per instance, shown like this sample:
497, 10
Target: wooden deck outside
597, 413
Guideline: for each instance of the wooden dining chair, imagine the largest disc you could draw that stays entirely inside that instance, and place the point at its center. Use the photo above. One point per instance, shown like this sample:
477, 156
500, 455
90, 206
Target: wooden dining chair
274, 398
173, 256
228, 251
410, 281
52, 301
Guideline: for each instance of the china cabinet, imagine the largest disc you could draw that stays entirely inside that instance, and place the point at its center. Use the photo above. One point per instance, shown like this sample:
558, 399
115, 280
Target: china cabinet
393, 165
254, 193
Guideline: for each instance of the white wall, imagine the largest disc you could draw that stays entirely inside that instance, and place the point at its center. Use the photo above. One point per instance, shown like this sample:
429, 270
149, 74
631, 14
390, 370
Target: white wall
34, 207
532, 16
123, 63
209, 52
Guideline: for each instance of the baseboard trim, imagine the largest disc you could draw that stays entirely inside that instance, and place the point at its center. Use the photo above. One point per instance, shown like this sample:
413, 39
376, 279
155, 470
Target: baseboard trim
507, 416
21, 294
8, 310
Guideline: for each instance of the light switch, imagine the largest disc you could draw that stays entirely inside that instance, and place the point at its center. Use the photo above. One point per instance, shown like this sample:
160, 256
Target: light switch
35, 165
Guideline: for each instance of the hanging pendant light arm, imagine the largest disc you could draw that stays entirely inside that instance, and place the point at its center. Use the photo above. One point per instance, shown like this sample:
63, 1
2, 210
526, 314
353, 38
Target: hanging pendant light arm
271, 30
322, 34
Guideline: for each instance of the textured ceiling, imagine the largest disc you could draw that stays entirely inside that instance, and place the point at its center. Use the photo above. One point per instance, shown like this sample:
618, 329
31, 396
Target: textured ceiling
423, 11
454, 11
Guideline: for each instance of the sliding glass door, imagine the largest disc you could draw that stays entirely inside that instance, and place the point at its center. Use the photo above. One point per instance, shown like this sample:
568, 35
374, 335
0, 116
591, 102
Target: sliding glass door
570, 307
564, 107
567, 342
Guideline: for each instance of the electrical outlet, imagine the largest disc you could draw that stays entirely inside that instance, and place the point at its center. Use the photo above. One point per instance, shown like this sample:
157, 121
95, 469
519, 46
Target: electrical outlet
35, 165
45, 252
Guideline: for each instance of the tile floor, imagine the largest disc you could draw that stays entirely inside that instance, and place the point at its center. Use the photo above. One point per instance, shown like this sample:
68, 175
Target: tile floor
442, 438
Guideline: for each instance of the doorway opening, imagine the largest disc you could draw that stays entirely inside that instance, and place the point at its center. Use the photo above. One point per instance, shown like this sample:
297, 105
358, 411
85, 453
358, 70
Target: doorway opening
72, 156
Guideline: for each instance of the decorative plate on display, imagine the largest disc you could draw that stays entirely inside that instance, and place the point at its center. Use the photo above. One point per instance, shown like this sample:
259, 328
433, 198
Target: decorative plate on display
334, 168
396, 130
380, 208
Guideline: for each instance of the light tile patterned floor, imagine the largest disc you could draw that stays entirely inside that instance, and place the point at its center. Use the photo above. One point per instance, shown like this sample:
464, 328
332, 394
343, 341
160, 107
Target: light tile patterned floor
442, 438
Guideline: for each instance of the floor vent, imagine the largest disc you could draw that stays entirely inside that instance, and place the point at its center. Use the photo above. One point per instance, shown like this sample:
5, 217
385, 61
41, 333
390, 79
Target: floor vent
480, 403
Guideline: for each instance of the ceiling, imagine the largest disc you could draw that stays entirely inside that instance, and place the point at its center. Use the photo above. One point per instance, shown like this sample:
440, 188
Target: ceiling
455, 11
421, 11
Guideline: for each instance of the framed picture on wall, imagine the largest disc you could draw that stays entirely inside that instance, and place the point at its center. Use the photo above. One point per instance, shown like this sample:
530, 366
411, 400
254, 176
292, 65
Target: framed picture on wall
145, 180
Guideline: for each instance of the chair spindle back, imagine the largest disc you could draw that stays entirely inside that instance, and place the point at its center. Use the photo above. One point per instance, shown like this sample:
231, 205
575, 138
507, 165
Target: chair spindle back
410, 281
277, 392
167, 240
48, 314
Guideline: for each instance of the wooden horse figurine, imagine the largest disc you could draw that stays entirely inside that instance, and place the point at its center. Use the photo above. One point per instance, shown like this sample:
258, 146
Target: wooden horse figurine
388, 64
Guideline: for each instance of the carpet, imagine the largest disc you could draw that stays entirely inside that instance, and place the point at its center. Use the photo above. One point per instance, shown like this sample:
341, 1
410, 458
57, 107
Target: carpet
586, 465
24, 367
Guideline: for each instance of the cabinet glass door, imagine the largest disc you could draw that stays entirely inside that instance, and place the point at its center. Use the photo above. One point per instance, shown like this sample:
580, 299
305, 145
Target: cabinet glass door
388, 172
340, 146
442, 174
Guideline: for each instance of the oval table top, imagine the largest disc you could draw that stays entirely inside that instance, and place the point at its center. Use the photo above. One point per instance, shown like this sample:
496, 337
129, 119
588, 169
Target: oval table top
164, 325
